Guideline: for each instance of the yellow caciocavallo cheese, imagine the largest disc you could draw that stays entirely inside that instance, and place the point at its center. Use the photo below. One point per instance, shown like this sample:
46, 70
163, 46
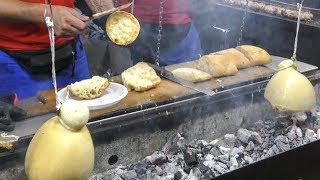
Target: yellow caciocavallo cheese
62, 148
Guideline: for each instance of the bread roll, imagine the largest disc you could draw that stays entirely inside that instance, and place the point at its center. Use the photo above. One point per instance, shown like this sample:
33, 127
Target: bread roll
122, 28
89, 88
140, 77
236, 57
216, 65
192, 75
256, 55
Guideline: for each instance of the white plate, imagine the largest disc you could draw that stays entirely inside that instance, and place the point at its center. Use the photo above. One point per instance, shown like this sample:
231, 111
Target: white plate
114, 94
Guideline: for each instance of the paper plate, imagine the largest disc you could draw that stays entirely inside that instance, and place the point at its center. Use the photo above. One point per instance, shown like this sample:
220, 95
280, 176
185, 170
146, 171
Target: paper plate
113, 94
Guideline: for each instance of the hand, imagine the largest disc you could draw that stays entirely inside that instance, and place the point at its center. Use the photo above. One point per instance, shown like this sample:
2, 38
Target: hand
67, 21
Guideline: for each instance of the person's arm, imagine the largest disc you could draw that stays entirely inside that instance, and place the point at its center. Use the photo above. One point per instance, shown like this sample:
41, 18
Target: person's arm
99, 6
67, 21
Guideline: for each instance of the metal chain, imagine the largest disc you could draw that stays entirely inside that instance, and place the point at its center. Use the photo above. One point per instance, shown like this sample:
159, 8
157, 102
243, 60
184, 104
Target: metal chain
159, 36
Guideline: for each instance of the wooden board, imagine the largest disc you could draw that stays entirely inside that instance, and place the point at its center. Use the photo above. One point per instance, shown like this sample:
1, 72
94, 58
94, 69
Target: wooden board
166, 91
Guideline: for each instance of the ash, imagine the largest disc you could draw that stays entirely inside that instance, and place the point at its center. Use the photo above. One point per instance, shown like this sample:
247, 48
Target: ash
200, 159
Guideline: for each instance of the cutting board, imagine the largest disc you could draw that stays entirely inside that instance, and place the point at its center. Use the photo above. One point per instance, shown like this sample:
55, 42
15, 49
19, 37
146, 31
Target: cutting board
164, 92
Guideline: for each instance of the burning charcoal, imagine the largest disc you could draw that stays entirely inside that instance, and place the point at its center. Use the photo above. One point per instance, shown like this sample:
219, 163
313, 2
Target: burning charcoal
140, 168
236, 151
179, 175
207, 149
230, 140
208, 157
190, 156
299, 132
220, 168
214, 142
115, 177
233, 163
318, 134
299, 116
174, 144
310, 136
129, 175
256, 138
250, 146
215, 151
224, 158
159, 171
275, 149
157, 158
224, 150
244, 135
195, 174
292, 133
248, 159
202, 143
282, 146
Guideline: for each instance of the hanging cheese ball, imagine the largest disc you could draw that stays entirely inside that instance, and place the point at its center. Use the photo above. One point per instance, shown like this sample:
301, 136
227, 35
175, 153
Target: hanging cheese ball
289, 90
62, 148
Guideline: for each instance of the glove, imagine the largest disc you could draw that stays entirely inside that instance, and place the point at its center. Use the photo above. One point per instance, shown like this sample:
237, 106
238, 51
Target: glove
8, 113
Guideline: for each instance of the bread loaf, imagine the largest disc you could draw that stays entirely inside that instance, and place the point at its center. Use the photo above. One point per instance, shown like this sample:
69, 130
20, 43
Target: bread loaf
256, 55
236, 57
122, 28
140, 77
192, 75
89, 88
217, 65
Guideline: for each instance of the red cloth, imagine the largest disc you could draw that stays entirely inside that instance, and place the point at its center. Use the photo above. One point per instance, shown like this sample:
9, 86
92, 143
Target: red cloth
175, 11
29, 36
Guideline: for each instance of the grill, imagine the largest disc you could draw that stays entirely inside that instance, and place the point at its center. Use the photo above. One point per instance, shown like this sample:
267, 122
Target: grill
128, 137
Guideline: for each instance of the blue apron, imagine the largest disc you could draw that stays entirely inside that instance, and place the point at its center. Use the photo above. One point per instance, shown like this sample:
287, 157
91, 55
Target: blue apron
187, 50
14, 79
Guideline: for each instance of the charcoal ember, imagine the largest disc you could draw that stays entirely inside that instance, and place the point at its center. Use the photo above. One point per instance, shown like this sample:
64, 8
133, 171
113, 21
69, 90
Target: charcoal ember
250, 146
195, 174
233, 163
236, 151
170, 167
273, 151
173, 145
157, 158
214, 142
215, 151
180, 175
244, 135
159, 171
299, 132
256, 138
229, 140
115, 177
310, 136
223, 158
221, 167
224, 150
292, 133
299, 116
209, 157
206, 149
202, 143
190, 156
140, 168
99, 177
248, 159
129, 175
282, 144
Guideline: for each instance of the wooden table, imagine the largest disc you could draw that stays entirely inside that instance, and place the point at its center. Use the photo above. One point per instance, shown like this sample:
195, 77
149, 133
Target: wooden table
165, 91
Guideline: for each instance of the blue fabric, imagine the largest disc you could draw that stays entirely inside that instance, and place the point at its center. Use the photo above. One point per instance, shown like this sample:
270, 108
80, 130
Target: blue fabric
15, 79
187, 50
